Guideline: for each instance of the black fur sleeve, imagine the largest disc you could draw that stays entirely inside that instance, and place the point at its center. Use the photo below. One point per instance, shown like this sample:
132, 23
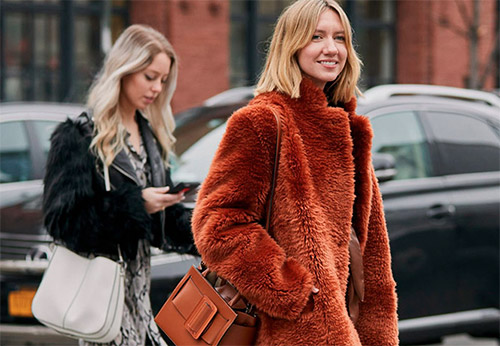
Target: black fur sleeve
177, 227
76, 208
68, 203
178, 230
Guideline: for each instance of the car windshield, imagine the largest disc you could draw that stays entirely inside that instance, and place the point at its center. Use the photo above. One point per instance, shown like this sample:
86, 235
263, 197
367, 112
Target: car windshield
194, 163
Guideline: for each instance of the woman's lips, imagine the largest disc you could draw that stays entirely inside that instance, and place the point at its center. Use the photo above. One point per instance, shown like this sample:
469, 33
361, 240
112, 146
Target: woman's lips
328, 64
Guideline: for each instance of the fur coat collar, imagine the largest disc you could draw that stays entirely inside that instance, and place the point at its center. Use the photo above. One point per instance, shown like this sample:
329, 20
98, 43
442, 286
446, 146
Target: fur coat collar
325, 184
313, 104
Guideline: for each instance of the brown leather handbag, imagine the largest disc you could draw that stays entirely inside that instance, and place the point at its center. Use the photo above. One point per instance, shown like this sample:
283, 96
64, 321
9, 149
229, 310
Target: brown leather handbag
205, 309
197, 314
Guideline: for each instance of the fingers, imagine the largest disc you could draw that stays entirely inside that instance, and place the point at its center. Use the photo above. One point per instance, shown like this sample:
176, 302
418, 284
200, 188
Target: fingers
167, 199
172, 198
157, 198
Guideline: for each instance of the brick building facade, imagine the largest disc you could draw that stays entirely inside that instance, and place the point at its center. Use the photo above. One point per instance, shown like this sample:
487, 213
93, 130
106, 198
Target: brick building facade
50, 50
199, 32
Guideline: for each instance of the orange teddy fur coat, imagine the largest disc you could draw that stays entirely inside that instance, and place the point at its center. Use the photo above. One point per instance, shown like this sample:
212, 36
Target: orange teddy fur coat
325, 181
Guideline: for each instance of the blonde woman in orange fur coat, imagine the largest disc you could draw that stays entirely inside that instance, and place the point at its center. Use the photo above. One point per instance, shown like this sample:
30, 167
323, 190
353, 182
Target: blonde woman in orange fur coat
296, 273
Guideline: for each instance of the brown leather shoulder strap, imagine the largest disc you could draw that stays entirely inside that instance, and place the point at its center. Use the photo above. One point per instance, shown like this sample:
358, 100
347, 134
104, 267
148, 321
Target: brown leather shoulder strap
275, 169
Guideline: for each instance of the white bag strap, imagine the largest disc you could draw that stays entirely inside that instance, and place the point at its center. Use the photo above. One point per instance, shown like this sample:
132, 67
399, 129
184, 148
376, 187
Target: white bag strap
121, 262
106, 177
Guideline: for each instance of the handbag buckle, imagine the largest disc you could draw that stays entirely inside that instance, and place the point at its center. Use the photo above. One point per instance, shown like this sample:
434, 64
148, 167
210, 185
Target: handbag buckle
200, 317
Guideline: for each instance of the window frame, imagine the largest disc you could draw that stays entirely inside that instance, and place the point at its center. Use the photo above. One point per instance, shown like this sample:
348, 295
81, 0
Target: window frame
431, 148
26, 117
359, 24
31, 155
65, 12
468, 112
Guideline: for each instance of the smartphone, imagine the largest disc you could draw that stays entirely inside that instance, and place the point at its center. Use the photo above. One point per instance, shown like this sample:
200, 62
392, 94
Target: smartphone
184, 187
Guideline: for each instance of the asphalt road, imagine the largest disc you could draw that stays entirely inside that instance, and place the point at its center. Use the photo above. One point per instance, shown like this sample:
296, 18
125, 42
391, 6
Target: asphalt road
41, 336
459, 340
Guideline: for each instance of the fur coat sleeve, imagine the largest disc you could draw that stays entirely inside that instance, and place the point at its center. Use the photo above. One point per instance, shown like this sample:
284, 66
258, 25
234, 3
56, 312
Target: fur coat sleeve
178, 231
78, 210
227, 222
378, 321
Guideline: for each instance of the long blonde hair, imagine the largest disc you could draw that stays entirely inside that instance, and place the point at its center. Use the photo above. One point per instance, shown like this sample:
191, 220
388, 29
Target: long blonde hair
134, 50
293, 32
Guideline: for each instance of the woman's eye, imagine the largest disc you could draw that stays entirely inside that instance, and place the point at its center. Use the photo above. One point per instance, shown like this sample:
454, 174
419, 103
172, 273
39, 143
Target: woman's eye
148, 77
340, 38
164, 81
316, 37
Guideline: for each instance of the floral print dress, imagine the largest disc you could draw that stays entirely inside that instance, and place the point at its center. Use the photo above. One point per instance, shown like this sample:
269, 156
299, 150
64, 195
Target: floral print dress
138, 325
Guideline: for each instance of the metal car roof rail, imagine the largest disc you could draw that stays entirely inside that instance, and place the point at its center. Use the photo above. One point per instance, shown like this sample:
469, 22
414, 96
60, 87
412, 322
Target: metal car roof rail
384, 92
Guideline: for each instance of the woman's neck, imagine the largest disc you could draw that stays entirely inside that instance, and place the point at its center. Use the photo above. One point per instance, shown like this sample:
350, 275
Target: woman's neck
127, 115
129, 122
126, 110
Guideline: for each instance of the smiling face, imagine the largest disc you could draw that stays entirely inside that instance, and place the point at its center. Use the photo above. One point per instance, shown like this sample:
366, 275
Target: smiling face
140, 89
324, 57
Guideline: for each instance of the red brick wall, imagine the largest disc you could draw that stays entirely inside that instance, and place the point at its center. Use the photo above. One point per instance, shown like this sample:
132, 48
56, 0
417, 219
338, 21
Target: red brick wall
414, 42
150, 12
199, 32
430, 49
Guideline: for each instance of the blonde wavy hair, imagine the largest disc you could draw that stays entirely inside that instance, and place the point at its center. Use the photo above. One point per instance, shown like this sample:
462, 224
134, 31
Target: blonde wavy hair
134, 50
294, 31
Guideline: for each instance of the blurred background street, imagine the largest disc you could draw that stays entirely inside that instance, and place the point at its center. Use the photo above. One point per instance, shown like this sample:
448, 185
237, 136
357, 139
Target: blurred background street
41, 336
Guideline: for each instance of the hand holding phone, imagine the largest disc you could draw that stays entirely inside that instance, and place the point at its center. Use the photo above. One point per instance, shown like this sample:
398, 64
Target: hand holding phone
184, 187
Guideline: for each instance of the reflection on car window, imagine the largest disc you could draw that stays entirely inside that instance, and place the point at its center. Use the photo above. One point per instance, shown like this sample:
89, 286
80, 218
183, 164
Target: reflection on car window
15, 162
188, 134
400, 134
466, 144
43, 131
193, 165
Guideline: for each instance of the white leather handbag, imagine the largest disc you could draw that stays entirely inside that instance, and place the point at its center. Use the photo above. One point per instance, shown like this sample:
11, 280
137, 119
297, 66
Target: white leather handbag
80, 297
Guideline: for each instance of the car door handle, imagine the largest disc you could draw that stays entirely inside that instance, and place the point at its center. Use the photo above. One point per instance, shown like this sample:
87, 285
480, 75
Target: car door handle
440, 211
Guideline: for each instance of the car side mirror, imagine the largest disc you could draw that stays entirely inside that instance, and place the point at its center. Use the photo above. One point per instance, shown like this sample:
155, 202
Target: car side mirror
385, 166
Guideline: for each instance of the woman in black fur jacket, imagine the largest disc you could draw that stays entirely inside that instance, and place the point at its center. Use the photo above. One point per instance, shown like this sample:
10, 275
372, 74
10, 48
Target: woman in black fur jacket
107, 180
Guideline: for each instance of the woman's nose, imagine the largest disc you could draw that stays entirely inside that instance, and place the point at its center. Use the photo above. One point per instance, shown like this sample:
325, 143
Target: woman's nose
157, 86
330, 46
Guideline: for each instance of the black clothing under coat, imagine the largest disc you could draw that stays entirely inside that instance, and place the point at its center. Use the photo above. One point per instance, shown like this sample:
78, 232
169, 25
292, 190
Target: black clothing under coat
80, 212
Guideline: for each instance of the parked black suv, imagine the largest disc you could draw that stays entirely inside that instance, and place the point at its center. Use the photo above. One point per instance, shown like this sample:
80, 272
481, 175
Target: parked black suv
442, 209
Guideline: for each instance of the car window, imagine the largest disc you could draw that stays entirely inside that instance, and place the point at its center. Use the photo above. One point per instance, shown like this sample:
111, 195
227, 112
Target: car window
15, 162
43, 131
400, 134
190, 133
465, 143
194, 164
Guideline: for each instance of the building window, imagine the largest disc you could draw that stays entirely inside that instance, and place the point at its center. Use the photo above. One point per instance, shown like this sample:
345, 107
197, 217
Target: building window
374, 33
252, 24
51, 49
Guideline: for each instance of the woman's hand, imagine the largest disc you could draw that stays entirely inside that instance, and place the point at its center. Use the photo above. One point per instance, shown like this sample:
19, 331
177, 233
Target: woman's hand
310, 300
157, 198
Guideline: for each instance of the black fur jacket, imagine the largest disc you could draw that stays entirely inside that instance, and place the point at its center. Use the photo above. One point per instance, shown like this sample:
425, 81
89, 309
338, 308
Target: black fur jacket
80, 213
